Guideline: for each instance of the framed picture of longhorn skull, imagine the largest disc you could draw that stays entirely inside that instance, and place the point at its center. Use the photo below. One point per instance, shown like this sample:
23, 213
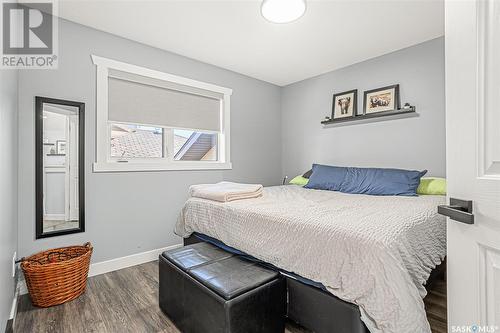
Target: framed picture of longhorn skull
381, 99
345, 104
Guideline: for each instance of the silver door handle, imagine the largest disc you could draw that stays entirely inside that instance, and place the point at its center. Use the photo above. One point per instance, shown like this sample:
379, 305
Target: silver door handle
458, 210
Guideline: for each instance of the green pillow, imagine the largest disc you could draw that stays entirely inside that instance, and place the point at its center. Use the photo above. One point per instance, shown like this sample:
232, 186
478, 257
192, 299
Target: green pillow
432, 185
299, 180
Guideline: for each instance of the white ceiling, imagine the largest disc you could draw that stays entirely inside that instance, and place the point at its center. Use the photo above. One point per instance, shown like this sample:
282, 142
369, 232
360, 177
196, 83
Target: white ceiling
233, 35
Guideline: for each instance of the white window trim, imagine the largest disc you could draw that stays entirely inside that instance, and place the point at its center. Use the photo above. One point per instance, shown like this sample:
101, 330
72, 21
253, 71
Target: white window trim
103, 161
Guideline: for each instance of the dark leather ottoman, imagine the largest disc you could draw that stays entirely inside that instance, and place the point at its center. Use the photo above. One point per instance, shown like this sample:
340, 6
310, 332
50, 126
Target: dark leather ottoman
204, 289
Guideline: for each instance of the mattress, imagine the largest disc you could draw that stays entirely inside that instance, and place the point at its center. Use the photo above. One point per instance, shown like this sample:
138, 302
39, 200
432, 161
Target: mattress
373, 251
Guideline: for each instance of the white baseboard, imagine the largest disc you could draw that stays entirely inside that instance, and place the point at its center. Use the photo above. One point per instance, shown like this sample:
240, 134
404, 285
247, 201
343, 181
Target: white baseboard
116, 264
128, 261
13, 309
23, 289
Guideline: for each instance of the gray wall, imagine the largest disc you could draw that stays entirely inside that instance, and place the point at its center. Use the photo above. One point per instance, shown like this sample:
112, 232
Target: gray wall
128, 213
412, 143
8, 189
273, 132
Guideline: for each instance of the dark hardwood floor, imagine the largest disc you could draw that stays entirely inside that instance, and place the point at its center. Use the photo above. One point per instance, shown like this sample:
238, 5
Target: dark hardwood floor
127, 301
435, 306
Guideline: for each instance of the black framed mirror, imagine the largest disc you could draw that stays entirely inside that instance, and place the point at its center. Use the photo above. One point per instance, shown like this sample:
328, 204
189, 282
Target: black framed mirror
60, 171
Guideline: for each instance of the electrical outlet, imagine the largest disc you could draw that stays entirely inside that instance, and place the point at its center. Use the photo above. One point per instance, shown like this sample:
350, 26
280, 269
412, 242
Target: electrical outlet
14, 264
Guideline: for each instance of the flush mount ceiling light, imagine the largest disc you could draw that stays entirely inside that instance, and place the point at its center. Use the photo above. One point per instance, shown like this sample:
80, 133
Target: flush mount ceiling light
283, 11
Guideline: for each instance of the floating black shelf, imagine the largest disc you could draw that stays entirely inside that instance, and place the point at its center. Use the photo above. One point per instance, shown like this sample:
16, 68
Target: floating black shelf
409, 111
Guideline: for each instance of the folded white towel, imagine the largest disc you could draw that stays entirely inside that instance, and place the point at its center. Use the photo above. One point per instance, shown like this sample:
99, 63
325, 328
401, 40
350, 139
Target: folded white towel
226, 191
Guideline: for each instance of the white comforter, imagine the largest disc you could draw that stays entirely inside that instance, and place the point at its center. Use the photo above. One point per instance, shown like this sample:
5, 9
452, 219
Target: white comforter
372, 251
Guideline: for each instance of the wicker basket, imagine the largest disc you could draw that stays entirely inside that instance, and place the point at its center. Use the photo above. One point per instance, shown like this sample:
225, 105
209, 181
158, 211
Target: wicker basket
58, 275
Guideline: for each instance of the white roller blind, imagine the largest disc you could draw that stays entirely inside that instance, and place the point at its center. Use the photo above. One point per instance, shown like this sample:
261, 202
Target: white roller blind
140, 101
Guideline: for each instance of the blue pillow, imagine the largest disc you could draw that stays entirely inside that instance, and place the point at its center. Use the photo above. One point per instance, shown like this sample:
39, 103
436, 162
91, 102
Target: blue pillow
325, 177
373, 181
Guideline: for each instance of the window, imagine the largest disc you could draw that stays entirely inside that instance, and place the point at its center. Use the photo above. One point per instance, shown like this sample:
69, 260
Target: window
135, 141
149, 120
195, 146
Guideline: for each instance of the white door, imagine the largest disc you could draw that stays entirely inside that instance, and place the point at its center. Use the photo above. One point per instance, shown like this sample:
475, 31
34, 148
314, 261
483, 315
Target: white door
72, 167
473, 162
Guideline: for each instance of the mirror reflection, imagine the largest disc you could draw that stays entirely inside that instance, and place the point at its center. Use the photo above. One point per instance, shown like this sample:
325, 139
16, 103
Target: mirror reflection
60, 168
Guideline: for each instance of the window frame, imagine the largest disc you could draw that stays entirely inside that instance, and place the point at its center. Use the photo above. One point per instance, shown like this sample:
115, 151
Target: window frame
105, 163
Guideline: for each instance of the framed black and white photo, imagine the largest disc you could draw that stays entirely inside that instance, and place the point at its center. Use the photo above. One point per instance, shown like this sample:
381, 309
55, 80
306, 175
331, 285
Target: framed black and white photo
61, 147
345, 104
381, 99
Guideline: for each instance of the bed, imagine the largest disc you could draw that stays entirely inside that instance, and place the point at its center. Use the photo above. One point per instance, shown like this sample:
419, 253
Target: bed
374, 252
